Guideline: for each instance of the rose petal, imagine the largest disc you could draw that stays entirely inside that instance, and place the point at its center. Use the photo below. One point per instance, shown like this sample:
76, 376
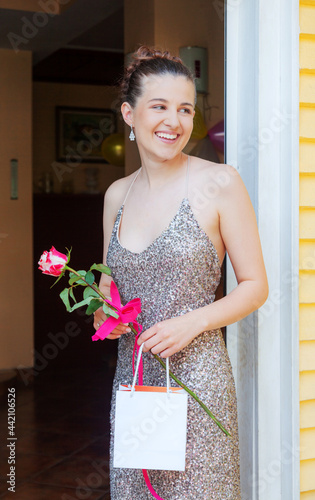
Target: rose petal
52, 262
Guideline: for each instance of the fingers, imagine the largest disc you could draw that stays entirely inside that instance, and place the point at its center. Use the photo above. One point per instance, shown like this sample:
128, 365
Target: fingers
112, 336
121, 328
157, 347
166, 353
105, 283
164, 338
148, 334
154, 339
162, 348
100, 318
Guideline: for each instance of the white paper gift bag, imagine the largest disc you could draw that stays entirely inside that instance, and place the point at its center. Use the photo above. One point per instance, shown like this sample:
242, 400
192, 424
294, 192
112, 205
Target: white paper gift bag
150, 426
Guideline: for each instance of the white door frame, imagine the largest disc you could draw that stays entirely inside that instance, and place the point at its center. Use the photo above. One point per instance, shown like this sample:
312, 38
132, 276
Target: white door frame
262, 142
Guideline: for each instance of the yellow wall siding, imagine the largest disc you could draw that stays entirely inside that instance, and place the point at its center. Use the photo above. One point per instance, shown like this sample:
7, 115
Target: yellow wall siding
309, 495
307, 154
307, 323
307, 188
307, 385
307, 476
307, 19
307, 249
307, 255
307, 51
307, 444
307, 85
307, 119
307, 357
307, 288
307, 223
307, 414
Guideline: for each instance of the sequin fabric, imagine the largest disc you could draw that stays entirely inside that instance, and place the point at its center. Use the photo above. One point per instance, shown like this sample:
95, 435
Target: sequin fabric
177, 273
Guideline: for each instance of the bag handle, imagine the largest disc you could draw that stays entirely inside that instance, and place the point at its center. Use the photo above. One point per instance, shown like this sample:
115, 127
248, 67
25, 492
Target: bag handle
137, 369
144, 471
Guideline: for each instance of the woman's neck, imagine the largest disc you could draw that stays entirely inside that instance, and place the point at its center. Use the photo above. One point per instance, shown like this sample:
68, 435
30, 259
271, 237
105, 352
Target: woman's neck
157, 174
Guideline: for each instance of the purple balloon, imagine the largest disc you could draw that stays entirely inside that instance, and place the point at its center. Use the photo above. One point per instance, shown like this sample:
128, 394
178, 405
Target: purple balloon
216, 135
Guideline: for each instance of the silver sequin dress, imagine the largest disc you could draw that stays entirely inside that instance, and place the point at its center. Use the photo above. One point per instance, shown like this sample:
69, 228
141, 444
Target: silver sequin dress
179, 272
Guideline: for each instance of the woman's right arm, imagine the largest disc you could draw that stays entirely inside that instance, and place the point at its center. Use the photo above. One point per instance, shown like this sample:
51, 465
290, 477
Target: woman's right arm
111, 205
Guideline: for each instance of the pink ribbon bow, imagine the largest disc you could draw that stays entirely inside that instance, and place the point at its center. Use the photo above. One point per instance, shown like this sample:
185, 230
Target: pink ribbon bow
126, 314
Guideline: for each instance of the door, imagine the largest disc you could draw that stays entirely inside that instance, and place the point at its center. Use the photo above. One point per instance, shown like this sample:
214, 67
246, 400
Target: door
261, 116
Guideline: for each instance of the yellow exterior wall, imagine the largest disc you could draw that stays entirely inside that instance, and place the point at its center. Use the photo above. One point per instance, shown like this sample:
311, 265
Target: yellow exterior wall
307, 248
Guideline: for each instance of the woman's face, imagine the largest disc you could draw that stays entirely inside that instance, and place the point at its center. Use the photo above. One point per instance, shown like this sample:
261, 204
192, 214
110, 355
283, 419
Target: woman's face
163, 116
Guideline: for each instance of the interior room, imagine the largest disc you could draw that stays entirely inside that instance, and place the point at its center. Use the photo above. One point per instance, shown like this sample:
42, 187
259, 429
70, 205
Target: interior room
63, 143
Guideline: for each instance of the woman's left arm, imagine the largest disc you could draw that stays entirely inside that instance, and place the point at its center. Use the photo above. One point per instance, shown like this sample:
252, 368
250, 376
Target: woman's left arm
238, 228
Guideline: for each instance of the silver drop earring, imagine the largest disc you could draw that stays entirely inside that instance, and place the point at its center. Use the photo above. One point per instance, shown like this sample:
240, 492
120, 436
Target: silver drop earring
132, 135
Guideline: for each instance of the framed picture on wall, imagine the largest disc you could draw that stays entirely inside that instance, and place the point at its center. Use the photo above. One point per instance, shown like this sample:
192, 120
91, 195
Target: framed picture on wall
80, 133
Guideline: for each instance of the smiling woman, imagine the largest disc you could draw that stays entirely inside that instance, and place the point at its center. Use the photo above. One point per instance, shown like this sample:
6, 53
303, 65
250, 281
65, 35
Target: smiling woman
167, 250
164, 120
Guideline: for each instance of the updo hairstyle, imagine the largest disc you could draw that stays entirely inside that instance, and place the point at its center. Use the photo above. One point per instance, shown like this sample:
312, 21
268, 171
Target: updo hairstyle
149, 61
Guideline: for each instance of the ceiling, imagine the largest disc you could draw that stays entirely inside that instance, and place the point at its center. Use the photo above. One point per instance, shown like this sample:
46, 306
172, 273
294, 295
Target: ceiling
83, 44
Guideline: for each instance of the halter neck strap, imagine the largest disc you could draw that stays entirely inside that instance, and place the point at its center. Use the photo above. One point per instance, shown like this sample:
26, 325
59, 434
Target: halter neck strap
133, 180
187, 177
186, 181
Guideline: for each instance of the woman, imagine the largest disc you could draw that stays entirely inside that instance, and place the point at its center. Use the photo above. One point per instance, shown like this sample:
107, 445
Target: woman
166, 248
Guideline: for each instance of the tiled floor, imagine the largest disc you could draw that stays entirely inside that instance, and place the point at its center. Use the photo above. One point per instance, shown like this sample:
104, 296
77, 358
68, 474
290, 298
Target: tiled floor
62, 430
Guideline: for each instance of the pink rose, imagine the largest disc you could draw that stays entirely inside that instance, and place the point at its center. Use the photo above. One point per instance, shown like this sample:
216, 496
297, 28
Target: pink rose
52, 262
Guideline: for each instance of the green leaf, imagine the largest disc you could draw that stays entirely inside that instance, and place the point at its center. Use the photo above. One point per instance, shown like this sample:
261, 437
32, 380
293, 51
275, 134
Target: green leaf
89, 278
80, 304
89, 292
73, 278
102, 268
76, 279
110, 312
93, 306
64, 295
72, 294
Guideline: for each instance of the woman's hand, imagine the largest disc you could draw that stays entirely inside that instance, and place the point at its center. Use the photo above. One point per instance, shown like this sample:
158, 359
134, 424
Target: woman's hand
169, 336
99, 315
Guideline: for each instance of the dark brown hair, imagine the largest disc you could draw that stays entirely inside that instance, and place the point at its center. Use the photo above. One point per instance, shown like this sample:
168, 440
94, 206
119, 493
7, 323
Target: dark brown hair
149, 61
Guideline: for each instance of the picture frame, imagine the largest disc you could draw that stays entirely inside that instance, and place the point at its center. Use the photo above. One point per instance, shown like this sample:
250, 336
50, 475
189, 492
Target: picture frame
80, 133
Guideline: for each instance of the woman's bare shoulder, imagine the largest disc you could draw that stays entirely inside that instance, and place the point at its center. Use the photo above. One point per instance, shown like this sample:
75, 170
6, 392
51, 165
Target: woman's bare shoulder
213, 176
116, 193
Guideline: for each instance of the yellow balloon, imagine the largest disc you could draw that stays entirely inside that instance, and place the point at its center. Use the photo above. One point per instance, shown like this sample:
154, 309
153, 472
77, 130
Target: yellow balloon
200, 129
113, 149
